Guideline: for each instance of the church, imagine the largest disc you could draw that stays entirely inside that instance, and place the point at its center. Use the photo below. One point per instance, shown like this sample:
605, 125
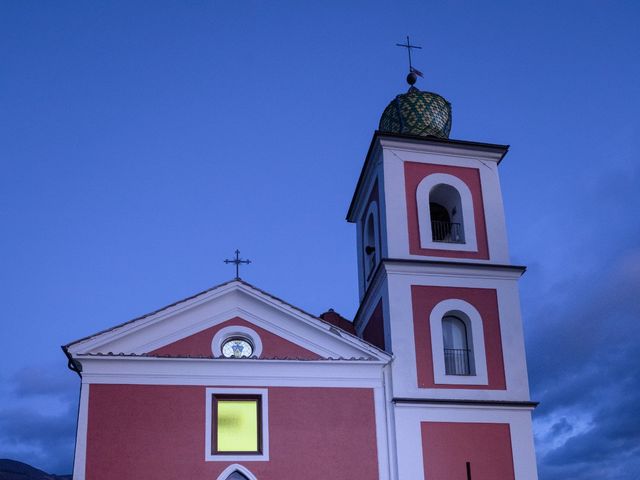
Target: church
427, 382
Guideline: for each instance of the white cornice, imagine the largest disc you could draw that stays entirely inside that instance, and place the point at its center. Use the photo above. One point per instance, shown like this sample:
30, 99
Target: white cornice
471, 151
452, 269
230, 372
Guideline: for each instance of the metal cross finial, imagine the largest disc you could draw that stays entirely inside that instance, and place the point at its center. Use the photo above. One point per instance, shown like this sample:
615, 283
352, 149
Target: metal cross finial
237, 262
408, 46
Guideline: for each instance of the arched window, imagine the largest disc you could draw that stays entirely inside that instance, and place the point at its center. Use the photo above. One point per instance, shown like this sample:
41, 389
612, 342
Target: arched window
370, 244
236, 341
456, 346
370, 241
445, 214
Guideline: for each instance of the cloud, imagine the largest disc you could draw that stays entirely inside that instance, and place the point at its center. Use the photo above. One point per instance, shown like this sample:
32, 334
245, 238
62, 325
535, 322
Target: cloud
40, 382
586, 371
584, 367
39, 426
582, 318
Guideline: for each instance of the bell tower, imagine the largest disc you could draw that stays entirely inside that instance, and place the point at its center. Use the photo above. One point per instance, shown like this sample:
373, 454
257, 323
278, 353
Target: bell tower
438, 291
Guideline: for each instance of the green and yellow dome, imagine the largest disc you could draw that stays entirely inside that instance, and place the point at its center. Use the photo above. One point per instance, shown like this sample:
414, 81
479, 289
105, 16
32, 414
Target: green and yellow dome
417, 113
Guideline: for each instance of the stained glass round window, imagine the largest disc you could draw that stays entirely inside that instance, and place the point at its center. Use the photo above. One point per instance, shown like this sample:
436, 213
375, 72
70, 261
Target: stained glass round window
237, 348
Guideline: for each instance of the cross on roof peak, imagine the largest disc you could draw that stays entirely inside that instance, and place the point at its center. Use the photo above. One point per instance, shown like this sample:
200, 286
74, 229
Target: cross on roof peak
237, 261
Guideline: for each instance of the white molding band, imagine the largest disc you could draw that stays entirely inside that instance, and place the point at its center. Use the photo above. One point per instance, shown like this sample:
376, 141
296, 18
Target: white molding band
424, 218
452, 307
264, 404
236, 331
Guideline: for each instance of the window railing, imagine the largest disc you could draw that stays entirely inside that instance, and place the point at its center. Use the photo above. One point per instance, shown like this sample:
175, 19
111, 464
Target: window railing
446, 232
456, 361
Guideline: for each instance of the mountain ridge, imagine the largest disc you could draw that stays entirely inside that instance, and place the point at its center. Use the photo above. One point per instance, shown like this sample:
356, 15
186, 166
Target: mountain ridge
15, 470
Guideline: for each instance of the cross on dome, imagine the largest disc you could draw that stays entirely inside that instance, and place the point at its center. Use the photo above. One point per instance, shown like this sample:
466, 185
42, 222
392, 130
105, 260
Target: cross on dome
414, 73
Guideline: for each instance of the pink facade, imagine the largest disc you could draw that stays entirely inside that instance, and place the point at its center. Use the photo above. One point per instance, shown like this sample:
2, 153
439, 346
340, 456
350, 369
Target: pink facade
414, 174
199, 344
424, 298
447, 448
158, 432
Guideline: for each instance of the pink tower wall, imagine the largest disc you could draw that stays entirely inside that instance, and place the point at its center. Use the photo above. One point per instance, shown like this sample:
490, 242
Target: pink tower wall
414, 174
447, 447
485, 300
374, 331
158, 432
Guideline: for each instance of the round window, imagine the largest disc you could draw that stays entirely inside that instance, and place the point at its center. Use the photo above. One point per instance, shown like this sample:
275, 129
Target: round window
237, 348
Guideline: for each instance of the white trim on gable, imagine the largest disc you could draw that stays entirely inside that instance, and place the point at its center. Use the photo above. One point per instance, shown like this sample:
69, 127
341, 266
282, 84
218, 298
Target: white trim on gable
234, 299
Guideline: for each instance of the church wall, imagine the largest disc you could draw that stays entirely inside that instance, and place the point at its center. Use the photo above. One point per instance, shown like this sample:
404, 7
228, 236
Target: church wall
199, 344
152, 431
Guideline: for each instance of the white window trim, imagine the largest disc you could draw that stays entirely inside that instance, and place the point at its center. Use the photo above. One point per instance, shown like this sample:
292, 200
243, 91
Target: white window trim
424, 218
262, 457
450, 307
235, 331
372, 211
236, 468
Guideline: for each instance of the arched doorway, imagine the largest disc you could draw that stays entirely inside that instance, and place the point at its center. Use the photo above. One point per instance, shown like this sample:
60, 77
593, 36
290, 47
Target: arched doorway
236, 476
236, 472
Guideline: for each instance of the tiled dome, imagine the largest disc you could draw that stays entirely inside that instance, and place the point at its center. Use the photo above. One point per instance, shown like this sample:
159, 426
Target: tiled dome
417, 113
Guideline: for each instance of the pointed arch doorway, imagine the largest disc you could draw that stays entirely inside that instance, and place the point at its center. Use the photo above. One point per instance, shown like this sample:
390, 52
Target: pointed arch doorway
236, 476
236, 472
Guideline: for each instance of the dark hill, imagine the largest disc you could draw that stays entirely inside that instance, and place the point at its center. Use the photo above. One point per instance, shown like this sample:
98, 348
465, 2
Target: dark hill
13, 470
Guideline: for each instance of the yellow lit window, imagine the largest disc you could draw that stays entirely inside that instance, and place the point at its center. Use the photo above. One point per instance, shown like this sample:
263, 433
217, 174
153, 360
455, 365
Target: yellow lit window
236, 423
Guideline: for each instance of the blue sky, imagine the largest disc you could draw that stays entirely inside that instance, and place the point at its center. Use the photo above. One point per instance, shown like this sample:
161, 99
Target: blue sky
141, 142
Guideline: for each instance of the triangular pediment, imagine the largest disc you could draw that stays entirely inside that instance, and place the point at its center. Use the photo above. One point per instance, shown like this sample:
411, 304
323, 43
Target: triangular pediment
189, 328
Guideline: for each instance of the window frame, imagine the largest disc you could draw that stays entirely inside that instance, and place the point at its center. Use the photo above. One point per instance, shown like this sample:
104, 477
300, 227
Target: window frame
423, 195
235, 331
475, 341
467, 340
259, 394
216, 398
